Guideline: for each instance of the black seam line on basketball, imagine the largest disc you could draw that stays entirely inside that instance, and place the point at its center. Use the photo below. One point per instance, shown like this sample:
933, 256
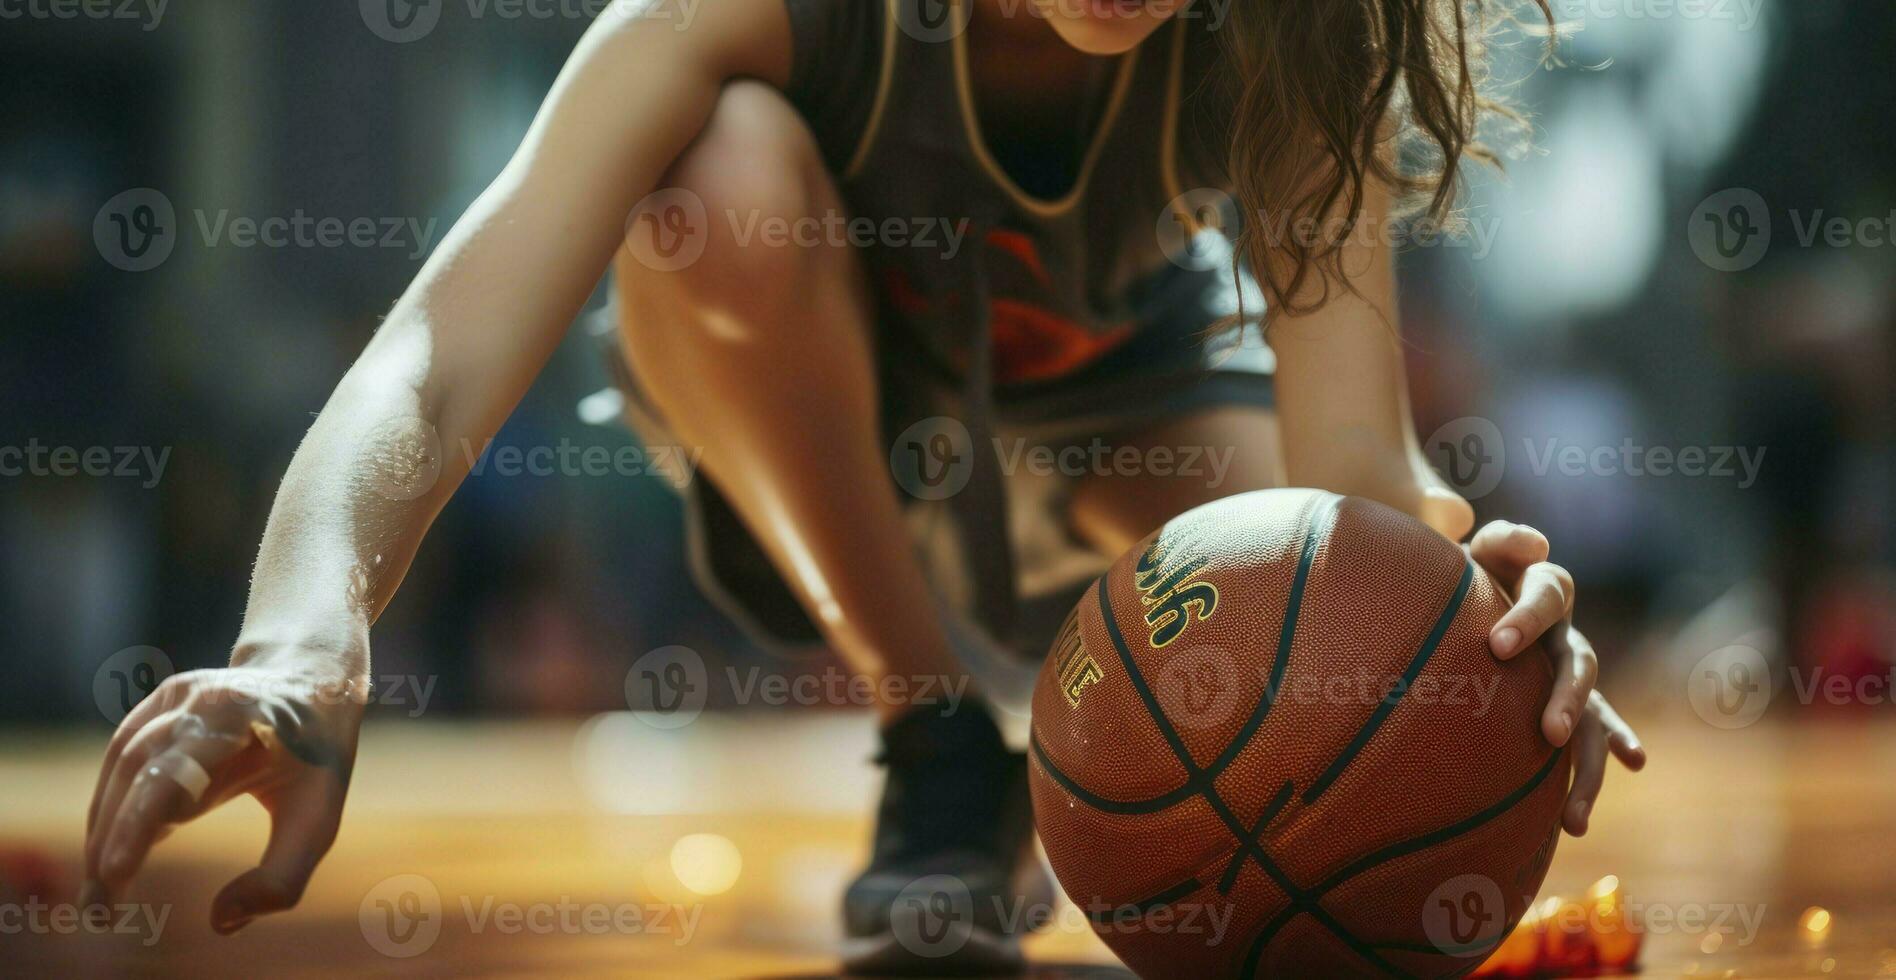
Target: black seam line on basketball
1203, 784
1195, 778
1322, 519
1101, 803
1435, 837
1140, 687
1314, 532
1362, 949
1140, 909
1290, 912
1394, 851
1390, 700
1230, 876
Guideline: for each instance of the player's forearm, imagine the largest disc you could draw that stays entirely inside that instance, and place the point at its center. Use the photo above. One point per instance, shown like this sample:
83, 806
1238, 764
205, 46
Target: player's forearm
1346, 424
460, 349
403, 427
345, 524
1343, 408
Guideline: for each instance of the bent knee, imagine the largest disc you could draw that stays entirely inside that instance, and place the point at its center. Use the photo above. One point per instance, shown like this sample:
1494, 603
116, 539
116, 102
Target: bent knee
752, 176
754, 152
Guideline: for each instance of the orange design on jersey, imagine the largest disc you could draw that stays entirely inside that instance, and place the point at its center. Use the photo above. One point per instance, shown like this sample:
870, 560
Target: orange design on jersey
1031, 342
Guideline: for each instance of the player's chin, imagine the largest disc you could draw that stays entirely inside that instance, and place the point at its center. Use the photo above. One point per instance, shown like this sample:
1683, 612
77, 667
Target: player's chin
1105, 27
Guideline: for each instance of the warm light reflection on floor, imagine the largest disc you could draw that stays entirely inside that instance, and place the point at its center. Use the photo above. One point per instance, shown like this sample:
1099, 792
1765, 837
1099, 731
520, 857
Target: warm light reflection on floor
614, 847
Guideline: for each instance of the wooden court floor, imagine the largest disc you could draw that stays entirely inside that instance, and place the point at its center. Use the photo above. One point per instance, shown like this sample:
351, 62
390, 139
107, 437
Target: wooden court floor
614, 848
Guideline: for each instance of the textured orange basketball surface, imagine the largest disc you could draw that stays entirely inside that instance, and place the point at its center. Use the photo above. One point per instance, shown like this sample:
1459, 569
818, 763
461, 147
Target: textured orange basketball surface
1272, 741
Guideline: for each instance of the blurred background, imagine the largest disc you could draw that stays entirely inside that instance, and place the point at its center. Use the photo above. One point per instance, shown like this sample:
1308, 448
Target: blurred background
1698, 257
1581, 311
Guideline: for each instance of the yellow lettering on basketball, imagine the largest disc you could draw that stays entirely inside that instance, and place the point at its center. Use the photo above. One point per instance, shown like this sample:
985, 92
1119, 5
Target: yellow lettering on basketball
1077, 668
1173, 595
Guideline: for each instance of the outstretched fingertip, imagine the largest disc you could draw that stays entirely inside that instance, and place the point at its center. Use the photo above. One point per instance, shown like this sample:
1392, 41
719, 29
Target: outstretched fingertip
1575, 819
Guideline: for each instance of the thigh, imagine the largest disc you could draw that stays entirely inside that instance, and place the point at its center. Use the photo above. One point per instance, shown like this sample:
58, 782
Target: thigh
1187, 461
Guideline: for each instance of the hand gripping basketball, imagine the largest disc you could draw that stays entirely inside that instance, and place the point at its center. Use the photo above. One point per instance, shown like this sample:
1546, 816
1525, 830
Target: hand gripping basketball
1279, 738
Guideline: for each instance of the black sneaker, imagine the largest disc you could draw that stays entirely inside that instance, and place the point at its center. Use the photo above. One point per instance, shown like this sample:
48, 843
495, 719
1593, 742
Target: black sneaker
953, 882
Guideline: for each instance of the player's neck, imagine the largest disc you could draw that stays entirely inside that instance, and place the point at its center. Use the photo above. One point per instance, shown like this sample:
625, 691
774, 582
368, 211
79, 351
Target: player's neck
1014, 52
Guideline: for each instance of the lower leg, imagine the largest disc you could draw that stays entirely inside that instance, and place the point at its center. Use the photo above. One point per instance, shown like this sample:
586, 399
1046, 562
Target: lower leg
761, 355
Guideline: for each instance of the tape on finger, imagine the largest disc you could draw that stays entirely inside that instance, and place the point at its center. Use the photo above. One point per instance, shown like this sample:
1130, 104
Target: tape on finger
180, 768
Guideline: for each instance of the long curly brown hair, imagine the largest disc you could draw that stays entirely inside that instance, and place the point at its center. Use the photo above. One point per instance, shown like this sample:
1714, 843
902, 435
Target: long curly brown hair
1326, 95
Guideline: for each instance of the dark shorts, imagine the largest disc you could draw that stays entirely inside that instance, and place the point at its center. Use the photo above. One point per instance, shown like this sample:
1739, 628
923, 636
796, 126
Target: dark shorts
1170, 368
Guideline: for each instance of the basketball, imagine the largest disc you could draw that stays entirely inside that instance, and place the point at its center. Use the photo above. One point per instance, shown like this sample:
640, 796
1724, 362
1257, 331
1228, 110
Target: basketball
1272, 741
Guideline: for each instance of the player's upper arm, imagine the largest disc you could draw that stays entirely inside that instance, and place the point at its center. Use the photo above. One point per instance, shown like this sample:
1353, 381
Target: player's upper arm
640, 83
496, 296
